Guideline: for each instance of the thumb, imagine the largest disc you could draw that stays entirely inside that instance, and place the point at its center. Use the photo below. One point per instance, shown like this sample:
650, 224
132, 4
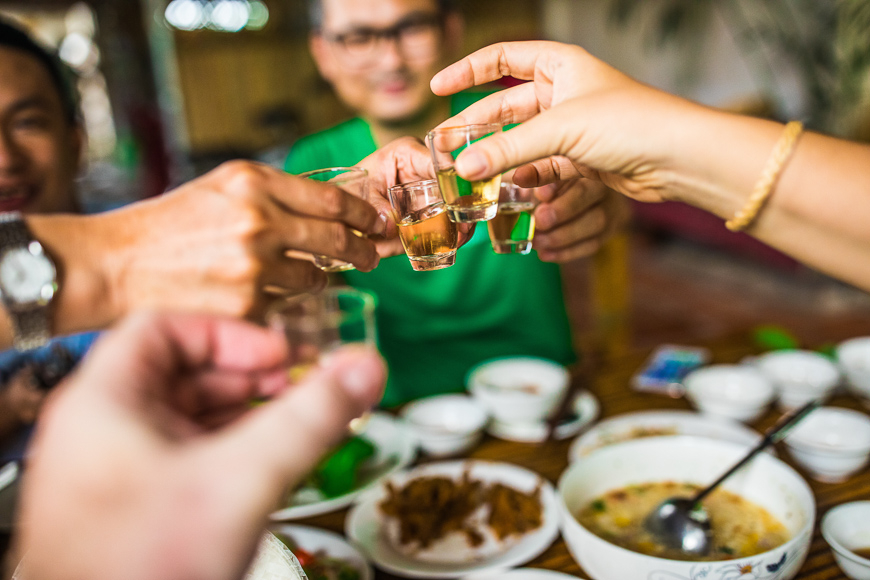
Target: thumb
280, 442
540, 137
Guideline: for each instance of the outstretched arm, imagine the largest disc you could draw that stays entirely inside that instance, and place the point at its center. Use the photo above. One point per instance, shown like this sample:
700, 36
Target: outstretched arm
654, 146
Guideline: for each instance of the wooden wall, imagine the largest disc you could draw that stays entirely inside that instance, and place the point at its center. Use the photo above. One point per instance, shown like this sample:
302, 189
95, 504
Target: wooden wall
230, 81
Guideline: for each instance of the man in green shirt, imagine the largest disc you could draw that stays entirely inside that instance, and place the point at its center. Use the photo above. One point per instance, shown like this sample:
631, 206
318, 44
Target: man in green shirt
379, 56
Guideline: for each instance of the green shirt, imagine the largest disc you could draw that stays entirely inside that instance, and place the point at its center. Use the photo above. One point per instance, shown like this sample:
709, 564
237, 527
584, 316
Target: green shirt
434, 326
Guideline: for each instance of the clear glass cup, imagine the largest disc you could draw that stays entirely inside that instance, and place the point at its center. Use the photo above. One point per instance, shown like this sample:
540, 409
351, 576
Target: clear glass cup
353, 180
512, 230
317, 324
467, 201
429, 236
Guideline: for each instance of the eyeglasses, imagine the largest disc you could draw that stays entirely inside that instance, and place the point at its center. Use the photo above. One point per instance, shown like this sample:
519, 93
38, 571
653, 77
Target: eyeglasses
416, 36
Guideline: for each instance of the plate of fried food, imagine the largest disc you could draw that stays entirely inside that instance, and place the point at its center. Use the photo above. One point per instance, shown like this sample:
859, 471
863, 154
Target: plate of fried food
455, 518
383, 446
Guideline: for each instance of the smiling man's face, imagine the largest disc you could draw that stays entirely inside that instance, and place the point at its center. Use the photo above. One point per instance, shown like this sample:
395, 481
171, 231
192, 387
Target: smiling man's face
379, 55
39, 146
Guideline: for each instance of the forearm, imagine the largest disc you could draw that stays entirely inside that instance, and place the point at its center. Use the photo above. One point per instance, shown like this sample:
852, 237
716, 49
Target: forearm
819, 206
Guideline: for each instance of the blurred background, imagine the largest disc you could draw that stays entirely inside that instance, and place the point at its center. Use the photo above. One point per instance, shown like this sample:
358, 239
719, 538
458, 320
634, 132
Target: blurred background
172, 88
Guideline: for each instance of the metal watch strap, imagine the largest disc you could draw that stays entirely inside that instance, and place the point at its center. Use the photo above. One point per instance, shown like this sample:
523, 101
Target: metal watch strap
13, 231
31, 327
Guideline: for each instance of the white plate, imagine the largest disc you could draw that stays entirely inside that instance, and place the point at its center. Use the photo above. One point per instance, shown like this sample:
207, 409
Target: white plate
314, 539
523, 574
586, 410
395, 449
364, 522
625, 427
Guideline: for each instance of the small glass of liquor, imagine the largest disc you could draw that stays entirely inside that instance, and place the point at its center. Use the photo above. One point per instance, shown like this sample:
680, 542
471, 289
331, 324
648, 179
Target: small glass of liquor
466, 201
512, 230
316, 324
429, 237
353, 180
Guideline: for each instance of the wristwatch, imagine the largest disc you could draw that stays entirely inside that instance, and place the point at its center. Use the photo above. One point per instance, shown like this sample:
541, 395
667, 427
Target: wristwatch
28, 282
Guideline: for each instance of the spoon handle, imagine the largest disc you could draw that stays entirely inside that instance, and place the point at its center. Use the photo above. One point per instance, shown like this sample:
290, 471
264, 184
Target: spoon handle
774, 434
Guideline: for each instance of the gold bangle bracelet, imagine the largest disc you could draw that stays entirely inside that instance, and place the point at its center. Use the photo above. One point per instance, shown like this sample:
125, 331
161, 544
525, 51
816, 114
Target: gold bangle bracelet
781, 153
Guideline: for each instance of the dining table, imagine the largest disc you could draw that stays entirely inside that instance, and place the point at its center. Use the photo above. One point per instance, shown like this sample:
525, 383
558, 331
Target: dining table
611, 384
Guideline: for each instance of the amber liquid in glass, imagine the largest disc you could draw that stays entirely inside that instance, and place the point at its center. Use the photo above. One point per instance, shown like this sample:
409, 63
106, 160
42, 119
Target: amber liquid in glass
469, 201
512, 230
429, 238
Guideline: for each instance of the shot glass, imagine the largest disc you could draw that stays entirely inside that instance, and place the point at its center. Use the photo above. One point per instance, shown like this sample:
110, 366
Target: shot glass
512, 230
316, 324
467, 201
429, 237
355, 181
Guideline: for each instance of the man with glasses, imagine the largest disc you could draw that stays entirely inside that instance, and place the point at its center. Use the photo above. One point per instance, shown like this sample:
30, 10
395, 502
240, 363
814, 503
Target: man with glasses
379, 56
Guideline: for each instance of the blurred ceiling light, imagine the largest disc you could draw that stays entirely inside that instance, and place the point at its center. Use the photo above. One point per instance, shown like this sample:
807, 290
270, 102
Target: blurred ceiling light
229, 15
220, 15
76, 50
259, 16
185, 14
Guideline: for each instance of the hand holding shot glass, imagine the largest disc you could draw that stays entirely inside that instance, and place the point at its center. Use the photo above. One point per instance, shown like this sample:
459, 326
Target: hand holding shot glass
430, 238
466, 201
512, 230
353, 180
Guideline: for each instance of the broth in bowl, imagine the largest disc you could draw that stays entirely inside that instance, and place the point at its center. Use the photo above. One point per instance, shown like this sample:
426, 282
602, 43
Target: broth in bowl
740, 527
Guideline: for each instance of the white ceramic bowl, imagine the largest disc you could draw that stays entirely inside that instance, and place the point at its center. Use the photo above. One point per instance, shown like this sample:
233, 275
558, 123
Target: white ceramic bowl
799, 376
766, 481
446, 425
639, 425
854, 358
736, 392
847, 528
831, 443
519, 389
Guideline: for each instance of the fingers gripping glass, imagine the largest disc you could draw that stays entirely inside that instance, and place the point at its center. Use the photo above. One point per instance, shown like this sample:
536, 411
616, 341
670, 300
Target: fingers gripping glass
353, 180
416, 36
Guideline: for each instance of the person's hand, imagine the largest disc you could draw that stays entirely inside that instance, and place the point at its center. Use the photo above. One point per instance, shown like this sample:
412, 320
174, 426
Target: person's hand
23, 397
575, 218
150, 463
20, 401
576, 107
219, 244
402, 161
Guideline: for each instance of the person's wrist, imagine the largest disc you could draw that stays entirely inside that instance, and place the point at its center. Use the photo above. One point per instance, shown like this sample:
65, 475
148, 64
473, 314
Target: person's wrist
82, 250
718, 158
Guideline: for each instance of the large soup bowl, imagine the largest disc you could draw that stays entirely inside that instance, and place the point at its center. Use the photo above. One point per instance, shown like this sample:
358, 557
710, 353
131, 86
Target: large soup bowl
766, 481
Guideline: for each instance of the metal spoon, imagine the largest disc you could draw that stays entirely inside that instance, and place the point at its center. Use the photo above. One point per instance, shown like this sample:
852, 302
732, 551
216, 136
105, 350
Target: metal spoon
683, 523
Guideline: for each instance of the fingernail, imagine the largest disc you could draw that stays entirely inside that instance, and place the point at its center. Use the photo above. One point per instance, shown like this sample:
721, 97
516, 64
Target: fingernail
471, 164
381, 225
362, 378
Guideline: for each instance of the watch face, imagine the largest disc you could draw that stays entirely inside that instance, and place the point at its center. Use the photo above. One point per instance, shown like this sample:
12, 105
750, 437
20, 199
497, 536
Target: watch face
24, 276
